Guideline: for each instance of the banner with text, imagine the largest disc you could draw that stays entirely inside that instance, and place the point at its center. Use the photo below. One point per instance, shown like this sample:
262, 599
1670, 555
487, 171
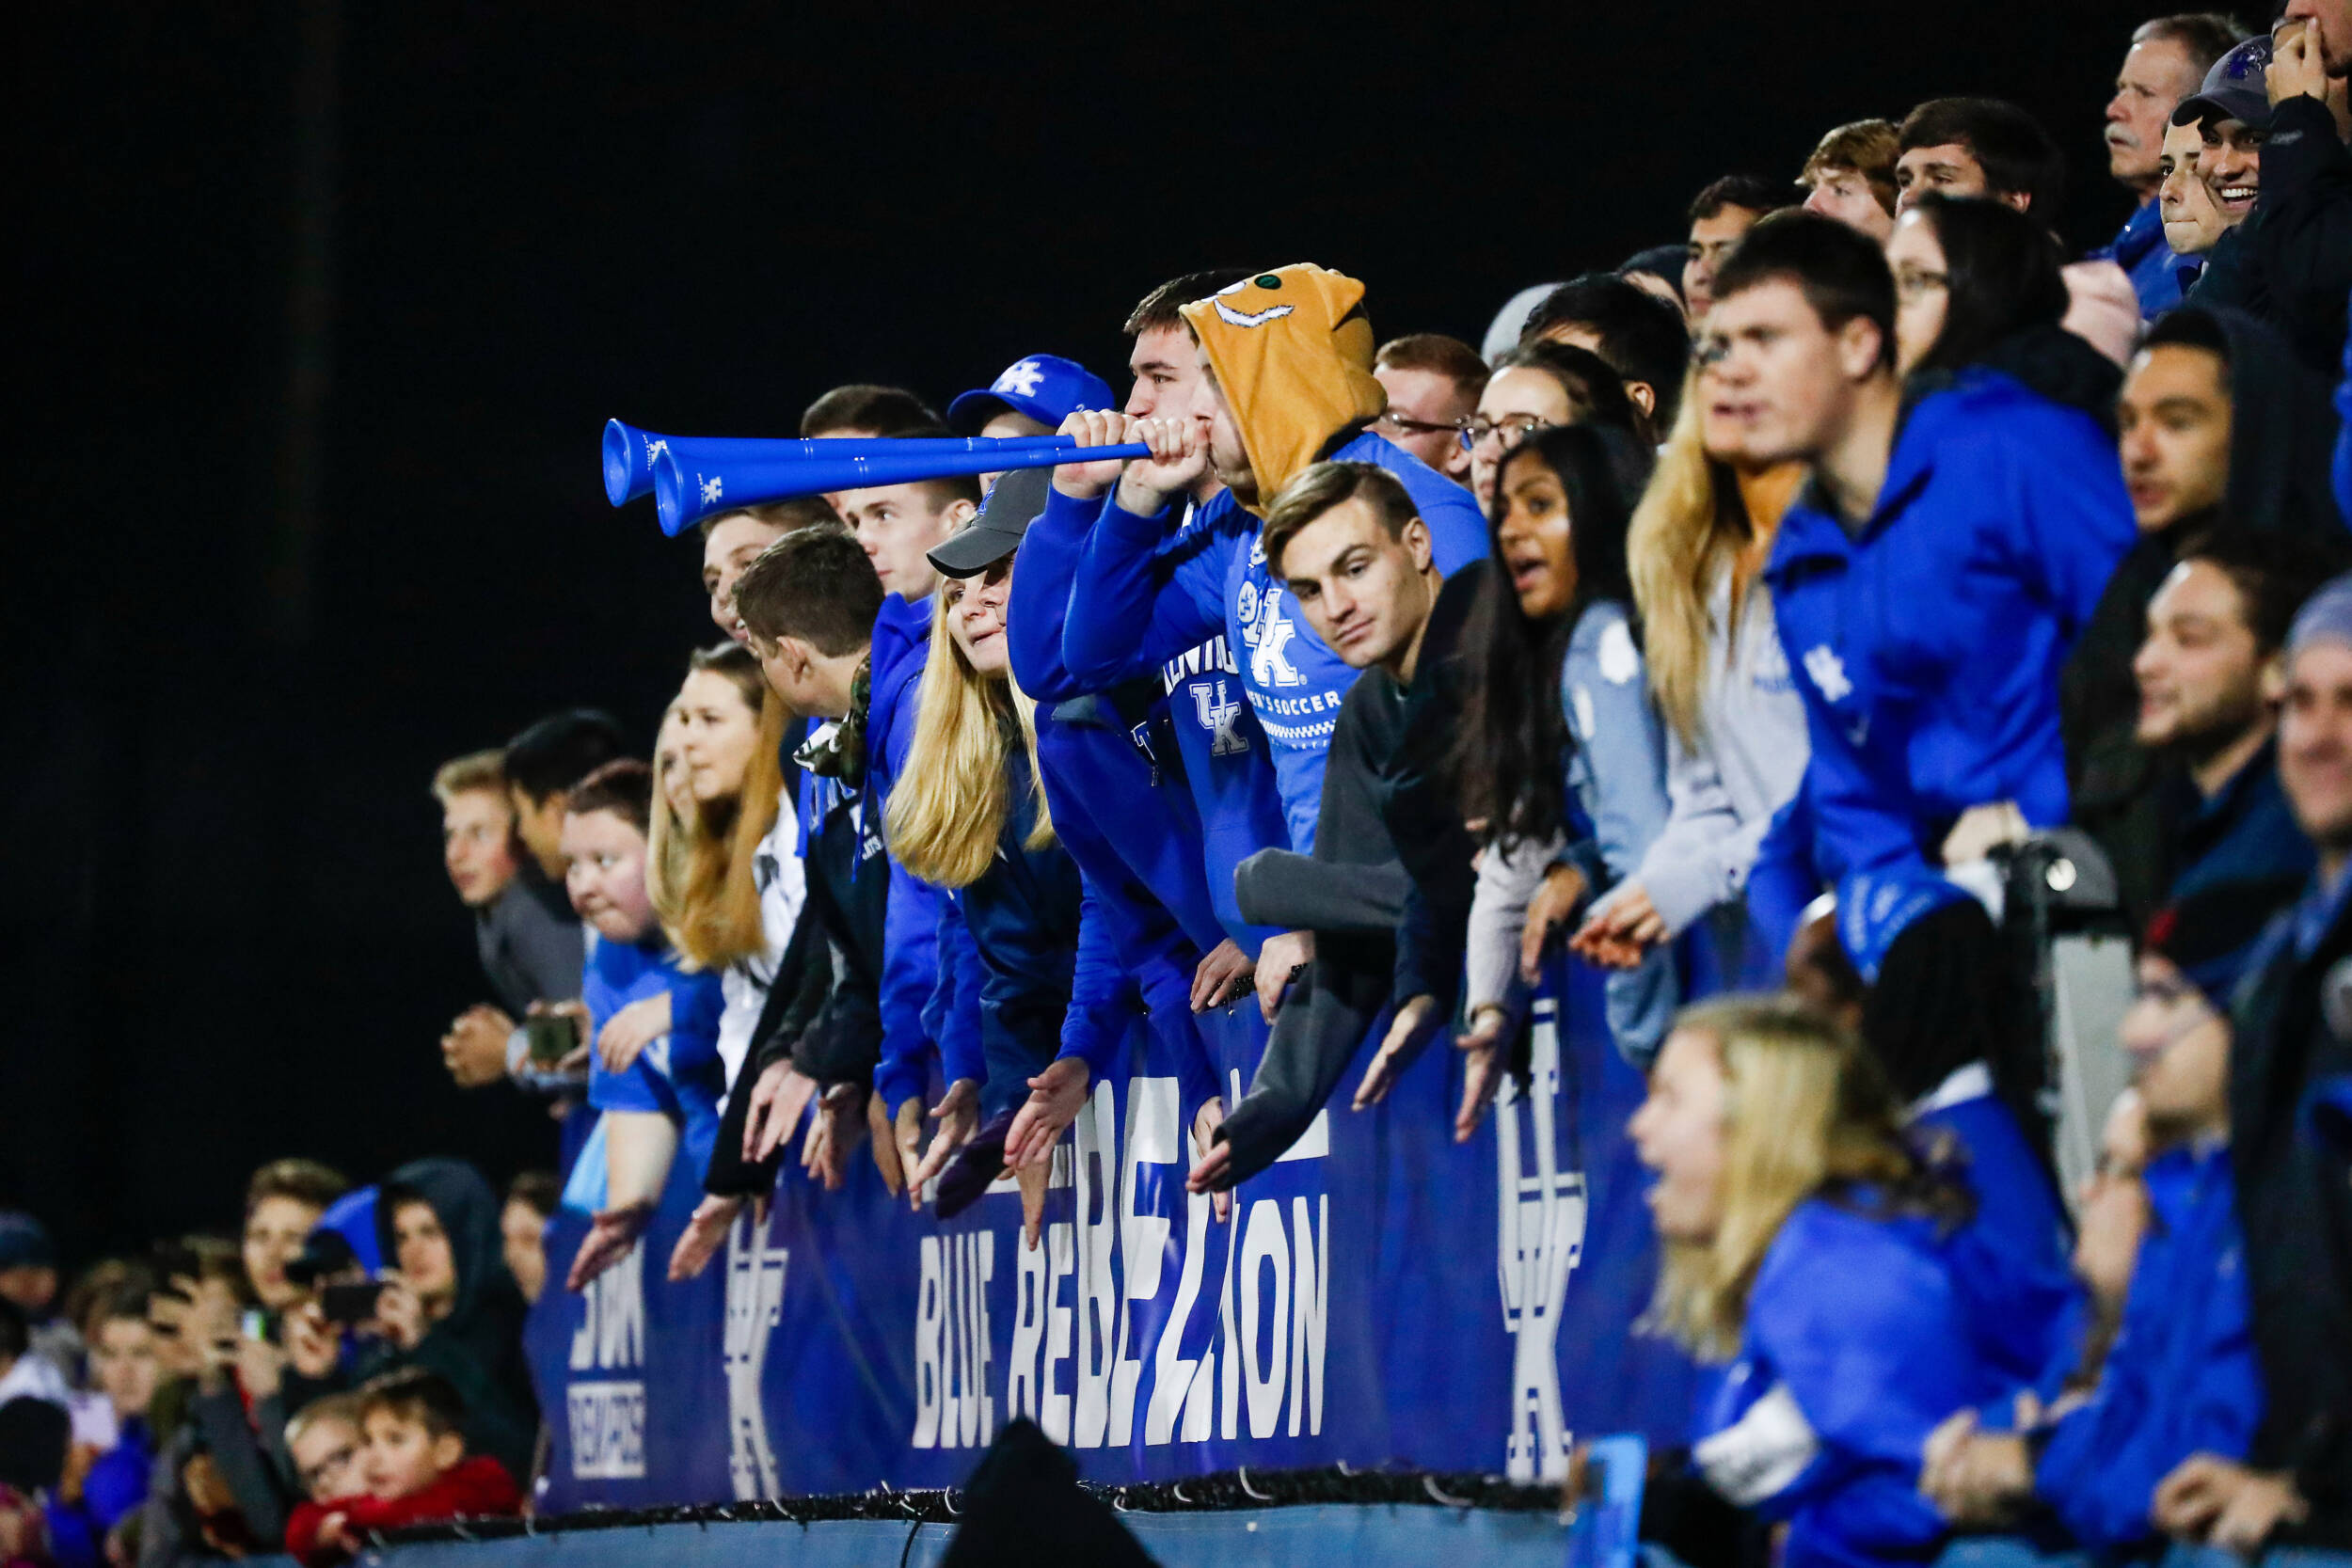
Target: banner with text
1380, 1295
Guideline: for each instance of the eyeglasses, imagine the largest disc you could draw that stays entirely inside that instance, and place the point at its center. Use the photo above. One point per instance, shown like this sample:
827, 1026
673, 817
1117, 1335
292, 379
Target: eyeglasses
1399, 423
1513, 428
1912, 284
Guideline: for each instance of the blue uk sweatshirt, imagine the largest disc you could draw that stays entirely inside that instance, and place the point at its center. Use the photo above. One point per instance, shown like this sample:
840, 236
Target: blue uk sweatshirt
2004, 514
1136, 609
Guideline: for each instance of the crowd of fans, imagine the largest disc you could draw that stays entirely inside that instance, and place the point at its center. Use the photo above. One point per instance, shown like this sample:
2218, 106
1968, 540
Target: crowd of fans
1734, 619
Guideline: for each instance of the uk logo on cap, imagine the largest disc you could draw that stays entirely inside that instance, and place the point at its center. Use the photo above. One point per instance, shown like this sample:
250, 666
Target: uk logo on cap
1042, 387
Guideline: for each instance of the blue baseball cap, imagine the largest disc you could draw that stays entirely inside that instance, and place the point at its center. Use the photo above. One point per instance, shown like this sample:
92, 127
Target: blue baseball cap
24, 1241
1045, 387
2234, 89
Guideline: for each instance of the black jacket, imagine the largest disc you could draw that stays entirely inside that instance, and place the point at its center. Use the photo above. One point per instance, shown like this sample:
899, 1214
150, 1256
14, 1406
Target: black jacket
479, 1345
2294, 1200
2299, 239
1388, 836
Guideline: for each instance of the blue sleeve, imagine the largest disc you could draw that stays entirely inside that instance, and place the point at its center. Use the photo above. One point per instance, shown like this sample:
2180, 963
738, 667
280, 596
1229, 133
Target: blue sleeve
639, 1088
697, 1000
963, 979
2075, 515
911, 961
1134, 606
1874, 1363
2343, 438
1102, 995
1044, 569
1782, 882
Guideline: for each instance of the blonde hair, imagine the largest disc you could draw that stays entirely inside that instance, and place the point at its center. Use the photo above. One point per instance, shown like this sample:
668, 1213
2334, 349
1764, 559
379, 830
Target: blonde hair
1689, 527
1805, 1109
699, 869
947, 808
483, 772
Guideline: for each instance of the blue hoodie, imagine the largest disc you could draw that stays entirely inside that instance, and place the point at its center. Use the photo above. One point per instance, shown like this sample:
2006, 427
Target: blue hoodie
2004, 513
1095, 763
2181, 1379
1856, 1345
1136, 609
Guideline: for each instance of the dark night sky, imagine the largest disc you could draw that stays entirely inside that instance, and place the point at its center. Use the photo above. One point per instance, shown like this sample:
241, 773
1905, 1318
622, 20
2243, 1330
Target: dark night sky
229, 935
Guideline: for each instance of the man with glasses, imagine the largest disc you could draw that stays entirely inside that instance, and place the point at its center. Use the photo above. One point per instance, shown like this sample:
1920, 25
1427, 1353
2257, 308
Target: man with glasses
1433, 382
1993, 523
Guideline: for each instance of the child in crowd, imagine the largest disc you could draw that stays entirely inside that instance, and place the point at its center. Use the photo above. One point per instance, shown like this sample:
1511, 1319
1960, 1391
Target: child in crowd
655, 1072
410, 1457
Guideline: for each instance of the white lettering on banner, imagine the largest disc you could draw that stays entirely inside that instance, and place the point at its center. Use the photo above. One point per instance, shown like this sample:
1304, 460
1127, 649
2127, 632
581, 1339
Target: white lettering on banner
608, 1427
1265, 1245
607, 1419
1078, 1356
612, 1332
1053, 1414
953, 1407
930, 1293
1311, 1302
755, 1307
1540, 1240
1097, 1173
1151, 1140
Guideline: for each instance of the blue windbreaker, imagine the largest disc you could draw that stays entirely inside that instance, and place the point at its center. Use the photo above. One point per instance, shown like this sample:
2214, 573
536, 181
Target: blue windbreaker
2012, 1260
2181, 1379
1136, 609
679, 1074
1856, 1344
911, 959
1927, 647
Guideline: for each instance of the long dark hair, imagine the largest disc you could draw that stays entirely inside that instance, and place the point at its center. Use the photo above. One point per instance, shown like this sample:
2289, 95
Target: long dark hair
2002, 276
1511, 756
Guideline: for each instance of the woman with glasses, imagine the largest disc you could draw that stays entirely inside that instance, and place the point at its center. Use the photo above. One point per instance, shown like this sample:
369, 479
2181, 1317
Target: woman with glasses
1535, 387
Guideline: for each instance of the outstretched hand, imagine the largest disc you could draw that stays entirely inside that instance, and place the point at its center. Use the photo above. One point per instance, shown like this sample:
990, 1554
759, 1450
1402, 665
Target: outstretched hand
699, 1242
957, 1114
1555, 902
1409, 1032
609, 1238
1057, 1095
1483, 1067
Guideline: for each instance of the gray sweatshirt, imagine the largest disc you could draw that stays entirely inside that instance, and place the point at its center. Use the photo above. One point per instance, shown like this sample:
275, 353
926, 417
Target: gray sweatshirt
1724, 793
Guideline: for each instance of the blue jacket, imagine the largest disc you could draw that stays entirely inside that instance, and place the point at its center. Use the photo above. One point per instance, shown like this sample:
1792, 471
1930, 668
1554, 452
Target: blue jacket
1133, 949
679, 1074
1009, 949
1219, 759
2181, 1378
116, 1486
911, 960
1927, 646
1856, 1344
1136, 608
2013, 1260
2139, 249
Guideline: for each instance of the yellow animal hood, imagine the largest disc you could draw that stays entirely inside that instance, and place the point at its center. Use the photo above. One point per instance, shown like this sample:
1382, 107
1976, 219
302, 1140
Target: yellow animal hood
1293, 349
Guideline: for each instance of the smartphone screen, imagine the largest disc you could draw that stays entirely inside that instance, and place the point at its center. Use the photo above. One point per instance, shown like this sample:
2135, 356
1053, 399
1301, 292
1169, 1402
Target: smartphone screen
552, 1036
354, 1303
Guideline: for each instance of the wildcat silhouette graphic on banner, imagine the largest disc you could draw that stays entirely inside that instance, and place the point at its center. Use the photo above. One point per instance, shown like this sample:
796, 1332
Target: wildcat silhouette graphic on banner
1380, 1295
